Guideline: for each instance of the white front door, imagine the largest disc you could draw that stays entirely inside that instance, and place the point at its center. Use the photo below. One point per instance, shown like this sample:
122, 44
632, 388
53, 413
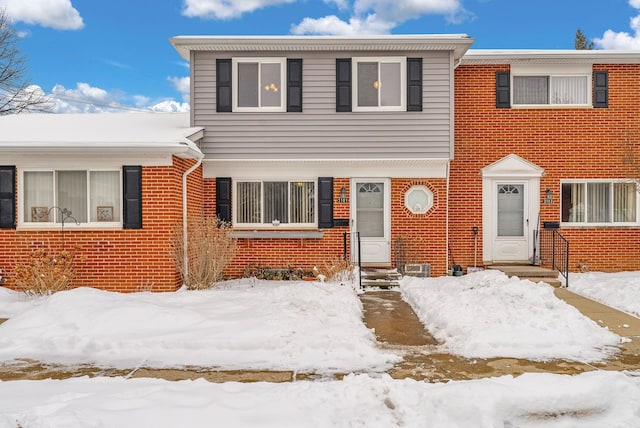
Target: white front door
371, 214
511, 240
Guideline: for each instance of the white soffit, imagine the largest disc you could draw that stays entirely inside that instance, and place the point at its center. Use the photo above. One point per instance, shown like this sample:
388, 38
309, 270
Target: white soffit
458, 43
288, 169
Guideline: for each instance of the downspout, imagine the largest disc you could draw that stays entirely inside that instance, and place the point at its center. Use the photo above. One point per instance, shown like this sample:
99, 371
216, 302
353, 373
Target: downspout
185, 175
446, 253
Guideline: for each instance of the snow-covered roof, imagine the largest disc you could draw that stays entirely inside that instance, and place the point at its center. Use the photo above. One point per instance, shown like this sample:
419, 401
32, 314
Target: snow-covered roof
550, 56
152, 133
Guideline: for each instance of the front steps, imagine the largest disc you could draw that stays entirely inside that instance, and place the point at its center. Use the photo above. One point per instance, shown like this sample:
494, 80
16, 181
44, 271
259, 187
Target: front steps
382, 278
527, 271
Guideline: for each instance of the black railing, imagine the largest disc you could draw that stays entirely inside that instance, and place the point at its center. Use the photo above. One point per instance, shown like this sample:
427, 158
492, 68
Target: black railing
354, 258
554, 252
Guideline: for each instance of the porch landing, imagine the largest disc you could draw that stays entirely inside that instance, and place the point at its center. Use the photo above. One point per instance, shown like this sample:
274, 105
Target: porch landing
530, 272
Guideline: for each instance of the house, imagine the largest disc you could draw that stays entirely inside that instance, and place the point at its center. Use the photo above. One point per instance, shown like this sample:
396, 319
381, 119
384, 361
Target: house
540, 139
124, 181
317, 147
384, 149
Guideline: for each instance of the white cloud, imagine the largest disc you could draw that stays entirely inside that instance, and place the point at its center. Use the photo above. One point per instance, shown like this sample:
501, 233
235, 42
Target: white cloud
225, 9
182, 85
57, 14
622, 40
332, 25
380, 16
341, 4
85, 98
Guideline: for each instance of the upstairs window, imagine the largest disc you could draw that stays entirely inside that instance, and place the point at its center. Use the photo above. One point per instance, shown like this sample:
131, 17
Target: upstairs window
600, 203
275, 203
259, 84
87, 197
379, 84
558, 86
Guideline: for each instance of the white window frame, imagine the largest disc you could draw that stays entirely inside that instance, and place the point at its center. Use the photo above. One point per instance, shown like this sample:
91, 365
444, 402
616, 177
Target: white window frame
260, 61
612, 223
69, 223
262, 225
417, 209
552, 71
403, 83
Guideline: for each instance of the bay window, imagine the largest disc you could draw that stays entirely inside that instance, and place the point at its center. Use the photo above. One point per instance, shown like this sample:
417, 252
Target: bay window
275, 203
600, 203
85, 196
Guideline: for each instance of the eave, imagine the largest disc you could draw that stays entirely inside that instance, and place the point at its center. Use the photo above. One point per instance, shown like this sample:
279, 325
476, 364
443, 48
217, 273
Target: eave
458, 43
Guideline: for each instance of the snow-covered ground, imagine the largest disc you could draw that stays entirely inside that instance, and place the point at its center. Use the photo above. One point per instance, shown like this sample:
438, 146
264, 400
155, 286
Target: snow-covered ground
620, 290
594, 400
486, 314
312, 327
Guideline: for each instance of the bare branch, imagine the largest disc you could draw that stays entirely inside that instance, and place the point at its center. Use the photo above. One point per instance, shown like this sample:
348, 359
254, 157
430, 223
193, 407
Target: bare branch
16, 93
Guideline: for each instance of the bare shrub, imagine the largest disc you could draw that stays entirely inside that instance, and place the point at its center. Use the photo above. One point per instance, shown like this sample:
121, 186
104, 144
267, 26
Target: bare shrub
210, 248
45, 272
337, 270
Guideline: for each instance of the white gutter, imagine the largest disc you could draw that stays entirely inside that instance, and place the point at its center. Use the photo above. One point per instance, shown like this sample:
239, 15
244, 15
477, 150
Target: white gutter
185, 175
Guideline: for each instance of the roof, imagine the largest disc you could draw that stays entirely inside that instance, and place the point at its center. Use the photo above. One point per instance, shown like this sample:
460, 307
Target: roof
458, 43
152, 133
558, 56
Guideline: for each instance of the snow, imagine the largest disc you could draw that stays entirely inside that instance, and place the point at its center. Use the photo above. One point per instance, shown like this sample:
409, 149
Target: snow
620, 290
595, 400
486, 314
248, 325
315, 327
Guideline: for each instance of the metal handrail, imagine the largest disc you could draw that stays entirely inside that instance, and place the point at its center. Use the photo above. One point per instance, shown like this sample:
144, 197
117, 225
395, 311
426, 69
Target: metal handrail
554, 252
353, 259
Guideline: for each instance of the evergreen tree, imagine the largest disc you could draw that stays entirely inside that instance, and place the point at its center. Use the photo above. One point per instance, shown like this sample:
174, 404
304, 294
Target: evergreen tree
581, 42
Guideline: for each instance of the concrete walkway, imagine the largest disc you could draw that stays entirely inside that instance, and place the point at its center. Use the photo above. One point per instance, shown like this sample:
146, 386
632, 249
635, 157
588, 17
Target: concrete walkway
619, 322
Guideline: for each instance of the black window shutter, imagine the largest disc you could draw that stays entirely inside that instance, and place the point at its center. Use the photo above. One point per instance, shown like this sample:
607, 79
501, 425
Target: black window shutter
132, 196
7, 196
223, 85
294, 85
414, 84
343, 84
325, 202
601, 89
223, 198
503, 89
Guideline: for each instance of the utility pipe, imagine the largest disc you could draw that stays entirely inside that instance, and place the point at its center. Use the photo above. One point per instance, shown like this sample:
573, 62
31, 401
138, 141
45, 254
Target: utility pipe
185, 175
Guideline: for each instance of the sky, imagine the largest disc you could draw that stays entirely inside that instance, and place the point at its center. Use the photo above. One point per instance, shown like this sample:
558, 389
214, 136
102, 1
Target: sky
95, 56
316, 327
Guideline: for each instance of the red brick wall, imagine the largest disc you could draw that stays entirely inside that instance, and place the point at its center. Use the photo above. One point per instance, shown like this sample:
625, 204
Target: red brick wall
423, 236
120, 260
568, 143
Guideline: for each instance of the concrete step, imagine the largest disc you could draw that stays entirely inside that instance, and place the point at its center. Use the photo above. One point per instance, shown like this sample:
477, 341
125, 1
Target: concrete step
554, 282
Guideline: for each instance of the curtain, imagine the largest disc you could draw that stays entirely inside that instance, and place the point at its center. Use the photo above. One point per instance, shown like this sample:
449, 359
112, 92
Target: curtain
248, 202
569, 90
531, 90
104, 197
598, 195
624, 202
72, 195
38, 196
302, 200
275, 202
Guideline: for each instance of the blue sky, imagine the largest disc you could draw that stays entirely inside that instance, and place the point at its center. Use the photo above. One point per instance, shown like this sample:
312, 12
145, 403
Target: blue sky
94, 55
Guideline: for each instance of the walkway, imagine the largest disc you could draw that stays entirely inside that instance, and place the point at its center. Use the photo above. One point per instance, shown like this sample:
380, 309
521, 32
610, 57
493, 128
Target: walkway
394, 321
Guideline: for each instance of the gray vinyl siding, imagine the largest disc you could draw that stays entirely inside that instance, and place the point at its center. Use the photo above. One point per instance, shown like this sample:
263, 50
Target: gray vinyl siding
319, 132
